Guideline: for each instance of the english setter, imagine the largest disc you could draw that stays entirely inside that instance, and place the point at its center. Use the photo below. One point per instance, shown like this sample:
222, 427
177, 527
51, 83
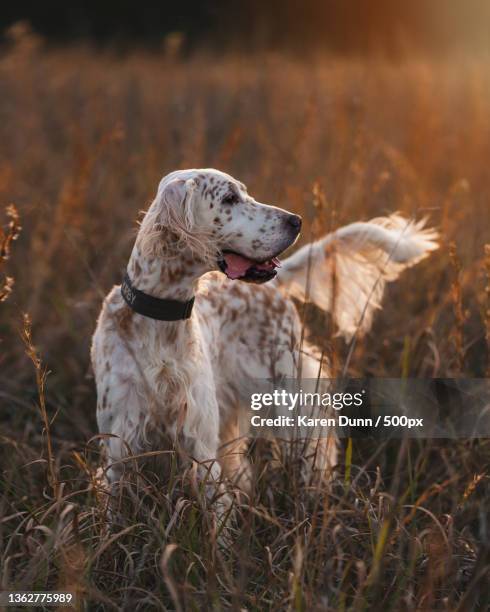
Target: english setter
164, 364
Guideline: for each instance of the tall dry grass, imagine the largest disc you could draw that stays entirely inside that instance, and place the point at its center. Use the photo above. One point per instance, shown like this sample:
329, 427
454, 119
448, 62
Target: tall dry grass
7, 236
84, 139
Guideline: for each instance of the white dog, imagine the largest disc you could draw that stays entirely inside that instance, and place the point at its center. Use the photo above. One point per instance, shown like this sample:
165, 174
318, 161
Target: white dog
165, 364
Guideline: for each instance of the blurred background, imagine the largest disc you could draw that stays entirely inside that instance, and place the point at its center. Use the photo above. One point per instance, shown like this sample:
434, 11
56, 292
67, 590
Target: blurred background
341, 27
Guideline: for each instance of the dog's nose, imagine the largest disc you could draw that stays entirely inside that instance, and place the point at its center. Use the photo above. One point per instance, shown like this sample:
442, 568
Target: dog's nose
294, 221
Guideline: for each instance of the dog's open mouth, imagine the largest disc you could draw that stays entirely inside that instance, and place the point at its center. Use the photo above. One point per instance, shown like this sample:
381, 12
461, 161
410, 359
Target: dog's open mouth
237, 266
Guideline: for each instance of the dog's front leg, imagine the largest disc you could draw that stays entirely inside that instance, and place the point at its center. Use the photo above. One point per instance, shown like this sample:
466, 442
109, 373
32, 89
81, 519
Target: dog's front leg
233, 452
201, 441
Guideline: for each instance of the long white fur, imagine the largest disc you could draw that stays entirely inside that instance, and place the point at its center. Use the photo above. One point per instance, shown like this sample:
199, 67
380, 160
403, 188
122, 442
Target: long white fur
183, 377
345, 272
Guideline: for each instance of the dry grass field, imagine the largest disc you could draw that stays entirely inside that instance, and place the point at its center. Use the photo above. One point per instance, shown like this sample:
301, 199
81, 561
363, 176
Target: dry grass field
84, 140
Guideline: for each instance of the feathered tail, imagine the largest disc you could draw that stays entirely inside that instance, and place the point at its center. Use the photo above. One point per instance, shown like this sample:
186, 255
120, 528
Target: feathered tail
345, 272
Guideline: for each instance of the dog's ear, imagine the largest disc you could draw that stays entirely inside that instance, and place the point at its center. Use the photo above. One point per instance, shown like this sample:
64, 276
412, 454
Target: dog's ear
177, 206
172, 211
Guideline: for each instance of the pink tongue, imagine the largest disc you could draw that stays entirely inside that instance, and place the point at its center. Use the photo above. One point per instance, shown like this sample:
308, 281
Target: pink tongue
237, 266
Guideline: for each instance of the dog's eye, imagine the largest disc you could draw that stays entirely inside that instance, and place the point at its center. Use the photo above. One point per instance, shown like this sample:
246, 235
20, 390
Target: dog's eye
231, 198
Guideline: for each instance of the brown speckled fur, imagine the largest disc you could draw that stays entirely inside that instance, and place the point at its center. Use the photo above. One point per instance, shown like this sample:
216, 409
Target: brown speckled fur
185, 379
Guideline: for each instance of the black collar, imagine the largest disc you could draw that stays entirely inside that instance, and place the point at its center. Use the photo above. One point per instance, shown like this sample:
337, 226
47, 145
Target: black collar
155, 308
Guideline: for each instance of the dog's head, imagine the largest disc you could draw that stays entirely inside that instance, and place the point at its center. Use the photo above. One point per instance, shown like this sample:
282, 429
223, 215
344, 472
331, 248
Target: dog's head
211, 213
